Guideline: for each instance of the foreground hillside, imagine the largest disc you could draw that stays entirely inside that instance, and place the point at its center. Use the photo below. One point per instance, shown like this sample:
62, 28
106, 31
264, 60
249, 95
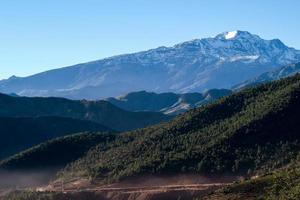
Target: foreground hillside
101, 112
241, 134
20, 133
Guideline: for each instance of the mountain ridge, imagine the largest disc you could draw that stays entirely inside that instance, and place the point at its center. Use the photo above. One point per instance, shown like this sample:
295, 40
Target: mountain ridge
167, 103
101, 112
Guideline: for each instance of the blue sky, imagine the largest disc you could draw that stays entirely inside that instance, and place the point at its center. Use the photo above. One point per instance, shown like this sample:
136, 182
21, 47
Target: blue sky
36, 35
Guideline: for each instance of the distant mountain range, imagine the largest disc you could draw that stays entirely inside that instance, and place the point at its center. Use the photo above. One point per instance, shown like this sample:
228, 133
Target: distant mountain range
101, 112
223, 61
168, 103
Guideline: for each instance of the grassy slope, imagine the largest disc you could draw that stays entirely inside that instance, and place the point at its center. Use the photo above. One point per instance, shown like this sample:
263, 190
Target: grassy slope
238, 134
98, 111
17, 134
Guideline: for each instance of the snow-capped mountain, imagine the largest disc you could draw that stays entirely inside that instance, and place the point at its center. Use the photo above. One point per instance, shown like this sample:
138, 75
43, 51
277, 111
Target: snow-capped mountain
194, 66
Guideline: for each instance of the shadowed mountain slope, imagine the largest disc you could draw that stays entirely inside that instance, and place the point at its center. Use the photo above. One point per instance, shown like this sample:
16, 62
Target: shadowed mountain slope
20, 133
101, 112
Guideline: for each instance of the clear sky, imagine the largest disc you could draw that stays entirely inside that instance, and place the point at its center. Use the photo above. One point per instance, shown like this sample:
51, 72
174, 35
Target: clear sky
36, 35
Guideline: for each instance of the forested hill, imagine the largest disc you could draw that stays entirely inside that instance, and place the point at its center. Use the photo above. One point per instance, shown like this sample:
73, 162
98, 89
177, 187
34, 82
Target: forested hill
101, 112
20, 133
252, 130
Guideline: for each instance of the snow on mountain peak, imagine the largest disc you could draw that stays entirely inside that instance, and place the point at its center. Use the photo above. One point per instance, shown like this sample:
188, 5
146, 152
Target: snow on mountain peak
230, 35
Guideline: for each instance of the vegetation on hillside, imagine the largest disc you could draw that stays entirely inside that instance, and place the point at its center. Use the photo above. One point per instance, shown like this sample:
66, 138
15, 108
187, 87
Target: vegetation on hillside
255, 129
252, 132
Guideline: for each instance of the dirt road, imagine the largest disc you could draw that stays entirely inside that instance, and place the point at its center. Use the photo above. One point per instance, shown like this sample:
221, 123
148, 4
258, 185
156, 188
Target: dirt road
145, 188
142, 189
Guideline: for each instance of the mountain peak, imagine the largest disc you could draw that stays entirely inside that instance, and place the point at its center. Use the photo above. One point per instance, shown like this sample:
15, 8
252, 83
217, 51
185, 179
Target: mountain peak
230, 35
13, 77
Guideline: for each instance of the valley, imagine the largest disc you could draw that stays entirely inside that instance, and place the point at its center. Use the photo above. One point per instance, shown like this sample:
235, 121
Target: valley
223, 150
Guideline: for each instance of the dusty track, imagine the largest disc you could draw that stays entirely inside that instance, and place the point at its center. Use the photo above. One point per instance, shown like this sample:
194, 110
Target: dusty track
162, 192
145, 188
184, 187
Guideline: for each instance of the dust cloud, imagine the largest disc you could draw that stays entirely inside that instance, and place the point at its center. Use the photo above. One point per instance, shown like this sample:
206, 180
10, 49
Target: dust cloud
25, 179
